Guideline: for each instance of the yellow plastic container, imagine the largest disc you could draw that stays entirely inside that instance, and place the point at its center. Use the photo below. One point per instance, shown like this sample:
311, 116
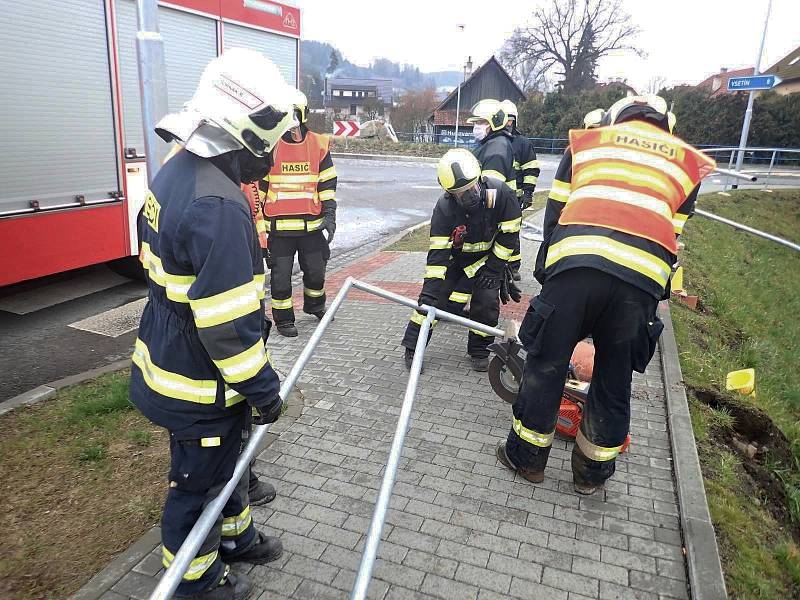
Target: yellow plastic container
743, 381
677, 281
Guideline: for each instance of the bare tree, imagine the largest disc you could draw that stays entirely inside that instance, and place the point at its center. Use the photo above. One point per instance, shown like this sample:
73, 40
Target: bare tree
569, 38
528, 74
656, 84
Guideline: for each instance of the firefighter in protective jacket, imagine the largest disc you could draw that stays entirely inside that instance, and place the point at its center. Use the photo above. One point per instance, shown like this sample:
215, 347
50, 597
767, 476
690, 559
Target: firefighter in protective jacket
474, 230
621, 196
299, 204
526, 167
200, 361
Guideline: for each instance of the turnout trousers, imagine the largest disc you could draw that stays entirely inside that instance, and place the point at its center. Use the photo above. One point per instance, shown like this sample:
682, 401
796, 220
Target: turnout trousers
454, 294
312, 254
203, 459
622, 321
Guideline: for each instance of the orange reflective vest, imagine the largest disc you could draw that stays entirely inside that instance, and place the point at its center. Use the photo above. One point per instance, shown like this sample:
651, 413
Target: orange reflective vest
632, 177
294, 177
255, 198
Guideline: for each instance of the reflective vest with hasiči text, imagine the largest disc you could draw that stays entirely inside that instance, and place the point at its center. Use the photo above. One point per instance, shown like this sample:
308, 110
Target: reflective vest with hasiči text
294, 176
632, 177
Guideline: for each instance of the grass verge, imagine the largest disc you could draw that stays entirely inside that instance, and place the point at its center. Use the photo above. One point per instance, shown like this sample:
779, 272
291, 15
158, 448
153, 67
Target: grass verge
417, 240
83, 477
376, 146
748, 316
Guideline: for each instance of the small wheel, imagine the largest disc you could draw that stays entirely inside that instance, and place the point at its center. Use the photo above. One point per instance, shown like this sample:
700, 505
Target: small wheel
502, 380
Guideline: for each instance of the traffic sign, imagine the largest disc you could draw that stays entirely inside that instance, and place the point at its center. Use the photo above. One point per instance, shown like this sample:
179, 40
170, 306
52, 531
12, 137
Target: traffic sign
757, 82
346, 128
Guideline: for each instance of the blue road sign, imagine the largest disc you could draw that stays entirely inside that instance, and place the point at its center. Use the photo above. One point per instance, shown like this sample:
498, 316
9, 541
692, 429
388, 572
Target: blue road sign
759, 82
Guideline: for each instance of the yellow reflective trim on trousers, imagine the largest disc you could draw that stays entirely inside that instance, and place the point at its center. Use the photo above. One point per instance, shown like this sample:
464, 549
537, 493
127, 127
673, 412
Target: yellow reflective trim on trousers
617, 252
314, 293
440, 242
227, 306
197, 567
435, 272
542, 440
210, 442
417, 317
516, 165
290, 224
531, 164
491, 173
460, 297
678, 222
595, 452
327, 195
501, 251
515, 258
314, 225
559, 191
530, 179
473, 268
244, 365
172, 385
512, 183
476, 246
512, 226
176, 286
237, 524
327, 174
282, 304
480, 333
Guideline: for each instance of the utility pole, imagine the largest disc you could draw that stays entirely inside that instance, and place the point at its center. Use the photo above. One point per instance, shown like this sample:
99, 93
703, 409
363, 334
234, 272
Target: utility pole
748, 114
458, 93
152, 83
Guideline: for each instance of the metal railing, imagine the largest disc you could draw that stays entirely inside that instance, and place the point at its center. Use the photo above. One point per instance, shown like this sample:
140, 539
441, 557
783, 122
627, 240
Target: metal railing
172, 577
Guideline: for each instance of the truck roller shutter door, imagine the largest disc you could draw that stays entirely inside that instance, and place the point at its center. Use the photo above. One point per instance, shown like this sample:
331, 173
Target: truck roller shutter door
281, 49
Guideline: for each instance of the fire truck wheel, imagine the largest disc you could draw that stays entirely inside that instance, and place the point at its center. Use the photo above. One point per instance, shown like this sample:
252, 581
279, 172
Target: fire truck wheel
128, 266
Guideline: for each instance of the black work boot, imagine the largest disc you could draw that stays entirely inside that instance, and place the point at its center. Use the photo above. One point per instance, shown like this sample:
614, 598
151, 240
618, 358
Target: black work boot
529, 474
319, 314
480, 363
287, 329
265, 550
409, 358
585, 489
230, 587
260, 492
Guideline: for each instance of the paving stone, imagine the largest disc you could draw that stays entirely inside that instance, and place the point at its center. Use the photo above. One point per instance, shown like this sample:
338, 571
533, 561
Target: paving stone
613, 591
483, 578
493, 543
446, 531
335, 535
527, 590
463, 553
524, 569
598, 570
431, 564
448, 589
477, 522
571, 582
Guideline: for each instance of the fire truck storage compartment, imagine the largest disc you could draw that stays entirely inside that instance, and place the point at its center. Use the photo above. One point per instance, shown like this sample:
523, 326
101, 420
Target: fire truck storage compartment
57, 139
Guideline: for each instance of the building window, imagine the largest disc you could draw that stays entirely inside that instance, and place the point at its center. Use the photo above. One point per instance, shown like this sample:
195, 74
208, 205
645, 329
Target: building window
371, 94
347, 93
337, 92
353, 110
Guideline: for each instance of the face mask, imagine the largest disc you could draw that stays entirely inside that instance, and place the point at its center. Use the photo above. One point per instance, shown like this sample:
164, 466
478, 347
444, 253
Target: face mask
480, 131
470, 199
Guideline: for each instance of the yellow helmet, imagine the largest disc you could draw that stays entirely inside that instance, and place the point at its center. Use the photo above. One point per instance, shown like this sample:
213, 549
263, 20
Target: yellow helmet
593, 118
511, 110
457, 170
647, 107
491, 111
301, 104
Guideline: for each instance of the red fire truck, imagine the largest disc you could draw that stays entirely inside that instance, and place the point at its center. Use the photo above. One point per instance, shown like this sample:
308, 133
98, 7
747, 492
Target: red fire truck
72, 169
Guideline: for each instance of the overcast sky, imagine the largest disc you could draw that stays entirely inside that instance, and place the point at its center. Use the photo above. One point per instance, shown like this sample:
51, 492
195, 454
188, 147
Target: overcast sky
685, 42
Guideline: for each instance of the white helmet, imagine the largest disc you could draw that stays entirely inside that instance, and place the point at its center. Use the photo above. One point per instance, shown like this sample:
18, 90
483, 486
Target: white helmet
489, 110
242, 101
510, 108
457, 170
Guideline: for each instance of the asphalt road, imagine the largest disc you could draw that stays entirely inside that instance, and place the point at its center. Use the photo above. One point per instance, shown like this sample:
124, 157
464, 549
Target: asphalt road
68, 323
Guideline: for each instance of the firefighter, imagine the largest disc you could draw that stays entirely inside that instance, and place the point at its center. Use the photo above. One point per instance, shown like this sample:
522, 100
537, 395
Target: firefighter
474, 230
299, 204
621, 196
526, 167
200, 361
494, 150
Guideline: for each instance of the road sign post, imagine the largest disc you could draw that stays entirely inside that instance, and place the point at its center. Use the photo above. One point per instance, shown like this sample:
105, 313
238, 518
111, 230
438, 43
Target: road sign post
748, 114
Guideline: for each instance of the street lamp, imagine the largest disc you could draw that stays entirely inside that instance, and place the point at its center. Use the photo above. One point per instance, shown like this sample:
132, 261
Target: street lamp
458, 98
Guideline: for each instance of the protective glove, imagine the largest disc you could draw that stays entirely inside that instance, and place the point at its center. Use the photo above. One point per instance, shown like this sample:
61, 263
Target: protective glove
329, 223
527, 199
511, 289
269, 411
488, 281
426, 299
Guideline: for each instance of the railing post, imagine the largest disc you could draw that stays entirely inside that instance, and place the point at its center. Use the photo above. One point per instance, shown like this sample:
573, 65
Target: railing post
769, 171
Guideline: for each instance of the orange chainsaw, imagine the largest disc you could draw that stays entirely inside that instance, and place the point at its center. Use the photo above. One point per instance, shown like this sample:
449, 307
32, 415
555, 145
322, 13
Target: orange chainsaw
505, 373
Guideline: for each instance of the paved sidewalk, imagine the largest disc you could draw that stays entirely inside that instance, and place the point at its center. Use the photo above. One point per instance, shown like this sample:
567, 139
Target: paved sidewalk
461, 525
